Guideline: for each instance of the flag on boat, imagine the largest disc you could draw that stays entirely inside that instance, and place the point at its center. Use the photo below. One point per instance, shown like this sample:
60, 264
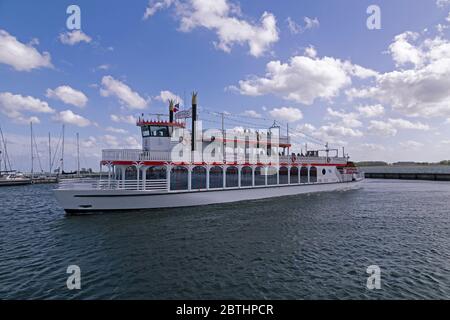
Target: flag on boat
184, 114
176, 107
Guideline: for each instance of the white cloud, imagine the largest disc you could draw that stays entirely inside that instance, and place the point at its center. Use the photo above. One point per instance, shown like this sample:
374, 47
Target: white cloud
288, 114
14, 105
295, 28
346, 119
303, 79
123, 119
224, 18
155, 5
166, 95
110, 140
405, 124
22, 57
310, 51
251, 114
73, 37
403, 52
128, 97
382, 128
333, 130
423, 90
411, 144
311, 23
116, 130
373, 146
391, 126
371, 111
68, 95
442, 3
68, 117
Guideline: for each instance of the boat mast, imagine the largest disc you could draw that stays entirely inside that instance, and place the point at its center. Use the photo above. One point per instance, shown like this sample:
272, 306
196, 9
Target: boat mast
78, 154
5, 153
49, 155
62, 151
32, 152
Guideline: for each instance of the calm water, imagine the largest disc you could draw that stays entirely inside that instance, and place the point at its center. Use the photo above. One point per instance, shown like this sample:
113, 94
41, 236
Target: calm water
303, 247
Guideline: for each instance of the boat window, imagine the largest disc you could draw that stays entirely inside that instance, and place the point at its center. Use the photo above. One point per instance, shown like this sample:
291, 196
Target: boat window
159, 131
283, 175
145, 131
198, 178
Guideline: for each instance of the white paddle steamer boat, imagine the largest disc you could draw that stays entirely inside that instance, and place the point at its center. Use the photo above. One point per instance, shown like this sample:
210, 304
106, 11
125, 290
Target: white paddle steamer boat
177, 167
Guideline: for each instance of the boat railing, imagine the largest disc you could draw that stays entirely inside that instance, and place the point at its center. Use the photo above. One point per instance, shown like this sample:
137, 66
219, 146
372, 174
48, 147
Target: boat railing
105, 184
139, 155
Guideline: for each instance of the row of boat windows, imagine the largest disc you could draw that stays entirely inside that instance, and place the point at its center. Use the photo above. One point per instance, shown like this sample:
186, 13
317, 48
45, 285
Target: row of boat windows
179, 176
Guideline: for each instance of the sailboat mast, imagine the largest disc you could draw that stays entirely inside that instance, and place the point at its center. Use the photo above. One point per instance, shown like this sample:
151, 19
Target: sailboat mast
62, 151
31, 146
78, 154
5, 152
49, 155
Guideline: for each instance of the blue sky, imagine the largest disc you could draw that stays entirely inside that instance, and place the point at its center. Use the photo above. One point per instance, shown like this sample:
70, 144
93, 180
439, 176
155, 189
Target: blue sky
383, 94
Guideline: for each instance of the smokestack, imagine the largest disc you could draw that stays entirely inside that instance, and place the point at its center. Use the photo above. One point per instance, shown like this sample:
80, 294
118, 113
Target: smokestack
194, 118
170, 110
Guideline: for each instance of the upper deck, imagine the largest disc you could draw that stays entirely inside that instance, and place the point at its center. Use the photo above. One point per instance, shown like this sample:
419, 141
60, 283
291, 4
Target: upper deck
123, 156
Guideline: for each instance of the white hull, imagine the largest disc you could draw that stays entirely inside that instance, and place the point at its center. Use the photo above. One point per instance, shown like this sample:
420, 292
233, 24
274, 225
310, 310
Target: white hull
84, 201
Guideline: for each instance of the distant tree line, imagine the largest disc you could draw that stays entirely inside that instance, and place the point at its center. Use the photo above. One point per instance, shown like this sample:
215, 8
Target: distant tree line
400, 163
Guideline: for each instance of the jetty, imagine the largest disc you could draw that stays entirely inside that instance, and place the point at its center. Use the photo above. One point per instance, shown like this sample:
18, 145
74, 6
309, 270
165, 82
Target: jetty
408, 176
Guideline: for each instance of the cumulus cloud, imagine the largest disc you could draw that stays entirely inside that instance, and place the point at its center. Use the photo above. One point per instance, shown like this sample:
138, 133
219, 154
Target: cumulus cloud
251, 114
128, 97
310, 51
391, 126
224, 18
370, 111
382, 128
68, 95
116, 130
411, 144
69, 117
288, 114
422, 90
22, 57
129, 119
166, 95
403, 52
156, 5
73, 37
304, 79
442, 3
15, 105
346, 119
309, 23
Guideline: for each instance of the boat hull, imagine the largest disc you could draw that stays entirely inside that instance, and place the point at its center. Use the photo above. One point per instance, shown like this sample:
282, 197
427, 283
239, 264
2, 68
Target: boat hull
8, 183
79, 201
